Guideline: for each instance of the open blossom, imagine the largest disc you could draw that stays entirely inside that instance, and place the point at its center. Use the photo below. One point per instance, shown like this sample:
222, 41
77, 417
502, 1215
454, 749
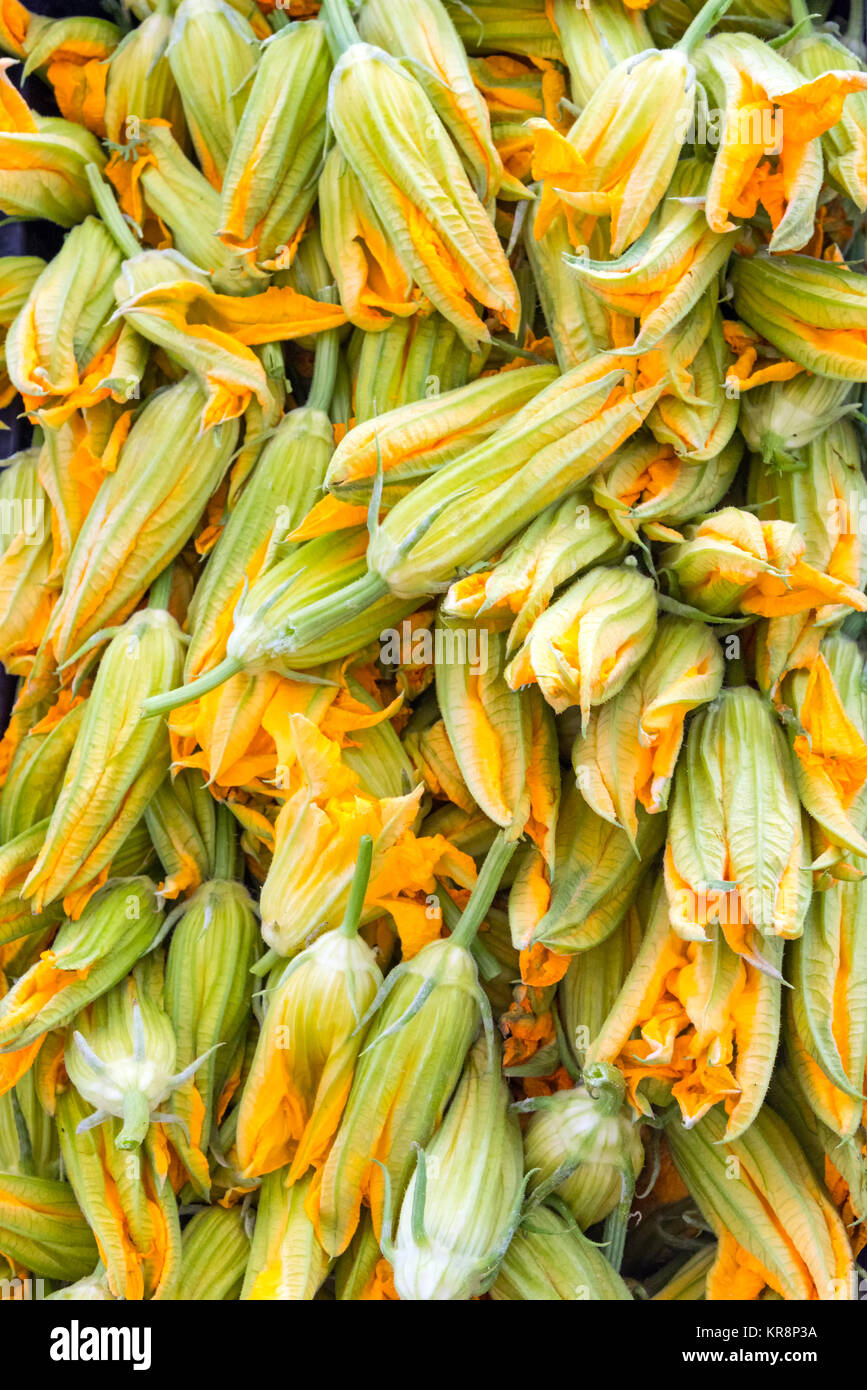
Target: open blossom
316, 841
698, 1020
583, 648
629, 752
733, 562
770, 151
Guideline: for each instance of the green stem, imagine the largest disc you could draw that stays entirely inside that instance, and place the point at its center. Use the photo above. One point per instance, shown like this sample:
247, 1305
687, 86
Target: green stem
486, 885
486, 962
271, 357
801, 12
225, 844
111, 213
339, 26
614, 1237
136, 1118
605, 1084
25, 1164
352, 916
527, 296
451, 913
182, 694
325, 614
418, 1196
855, 27
341, 397
512, 350
161, 589
704, 21
266, 963
324, 370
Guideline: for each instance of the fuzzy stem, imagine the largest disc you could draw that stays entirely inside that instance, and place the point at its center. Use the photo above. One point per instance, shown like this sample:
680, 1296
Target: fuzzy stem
111, 214
605, 1085
341, 397
183, 694
324, 370
266, 963
614, 1237
419, 1195
319, 618
339, 26
702, 24
161, 589
26, 1165
352, 916
385, 1241
527, 294
855, 27
136, 1118
512, 350
486, 885
225, 844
